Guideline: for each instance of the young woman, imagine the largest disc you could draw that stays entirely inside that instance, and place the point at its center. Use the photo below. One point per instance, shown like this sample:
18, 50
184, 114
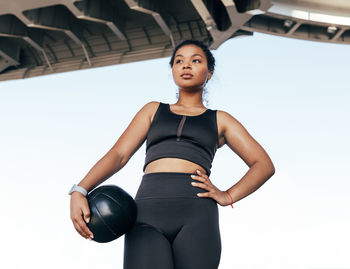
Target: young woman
177, 224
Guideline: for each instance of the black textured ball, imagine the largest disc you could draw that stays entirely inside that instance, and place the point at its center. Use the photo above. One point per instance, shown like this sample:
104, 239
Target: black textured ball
112, 213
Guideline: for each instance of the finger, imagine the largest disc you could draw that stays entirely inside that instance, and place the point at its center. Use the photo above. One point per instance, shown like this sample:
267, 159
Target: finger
201, 185
86, 213
86, 231
78, 228
199, 178
85, 228
202, 174
86, 216
206, 177
204, 194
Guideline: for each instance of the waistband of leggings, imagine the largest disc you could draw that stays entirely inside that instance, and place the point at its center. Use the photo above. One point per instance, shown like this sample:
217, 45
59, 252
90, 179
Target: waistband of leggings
168, 185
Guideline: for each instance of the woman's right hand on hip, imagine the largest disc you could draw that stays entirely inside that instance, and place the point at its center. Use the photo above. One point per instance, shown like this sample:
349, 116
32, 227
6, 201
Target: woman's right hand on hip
79, 208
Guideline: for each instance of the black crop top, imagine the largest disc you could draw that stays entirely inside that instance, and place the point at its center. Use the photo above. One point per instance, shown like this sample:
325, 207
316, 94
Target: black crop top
193, 138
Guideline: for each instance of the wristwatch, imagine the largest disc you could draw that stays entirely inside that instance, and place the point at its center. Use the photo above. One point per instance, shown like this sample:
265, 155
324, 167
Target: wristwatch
79, 189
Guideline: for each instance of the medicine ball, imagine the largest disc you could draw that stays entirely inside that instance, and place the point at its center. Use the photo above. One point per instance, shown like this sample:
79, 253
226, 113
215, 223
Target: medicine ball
112, 213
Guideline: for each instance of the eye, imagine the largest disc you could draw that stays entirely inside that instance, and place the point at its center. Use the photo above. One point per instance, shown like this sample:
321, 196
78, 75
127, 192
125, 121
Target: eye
178, 61
196, 61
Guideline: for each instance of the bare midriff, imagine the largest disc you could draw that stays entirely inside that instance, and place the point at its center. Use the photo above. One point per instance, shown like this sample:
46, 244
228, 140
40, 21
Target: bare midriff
173, 165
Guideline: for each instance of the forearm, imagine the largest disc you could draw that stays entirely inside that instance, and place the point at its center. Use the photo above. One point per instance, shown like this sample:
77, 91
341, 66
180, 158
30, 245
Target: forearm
255, 177
107, 166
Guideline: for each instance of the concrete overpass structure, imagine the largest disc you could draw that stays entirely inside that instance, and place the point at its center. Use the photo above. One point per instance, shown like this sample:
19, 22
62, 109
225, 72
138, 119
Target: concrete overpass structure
40, 37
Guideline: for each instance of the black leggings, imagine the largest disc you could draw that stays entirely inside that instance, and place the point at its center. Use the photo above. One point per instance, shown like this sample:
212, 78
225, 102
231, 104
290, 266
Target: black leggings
175, 228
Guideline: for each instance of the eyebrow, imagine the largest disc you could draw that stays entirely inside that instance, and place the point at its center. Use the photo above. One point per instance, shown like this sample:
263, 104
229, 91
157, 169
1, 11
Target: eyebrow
191, 56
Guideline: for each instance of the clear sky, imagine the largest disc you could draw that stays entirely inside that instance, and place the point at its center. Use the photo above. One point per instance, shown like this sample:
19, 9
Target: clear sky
291, 95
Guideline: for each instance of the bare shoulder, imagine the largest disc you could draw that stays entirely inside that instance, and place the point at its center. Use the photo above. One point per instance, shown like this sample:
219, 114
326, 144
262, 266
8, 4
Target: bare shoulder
226, 123
151, 104
136, 132
236, 136
149, 109
224, 117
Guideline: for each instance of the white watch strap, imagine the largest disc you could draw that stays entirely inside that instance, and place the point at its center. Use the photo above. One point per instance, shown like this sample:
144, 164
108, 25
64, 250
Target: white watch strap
79, 189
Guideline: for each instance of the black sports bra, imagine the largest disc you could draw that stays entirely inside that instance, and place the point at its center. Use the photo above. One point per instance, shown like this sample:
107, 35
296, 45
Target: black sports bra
193, 138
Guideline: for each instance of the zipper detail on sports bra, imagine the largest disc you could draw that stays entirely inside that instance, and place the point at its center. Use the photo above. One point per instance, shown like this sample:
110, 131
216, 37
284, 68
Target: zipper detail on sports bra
179, 129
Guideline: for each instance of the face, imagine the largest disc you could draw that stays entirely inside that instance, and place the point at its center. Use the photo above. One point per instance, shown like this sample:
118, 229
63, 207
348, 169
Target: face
190, 69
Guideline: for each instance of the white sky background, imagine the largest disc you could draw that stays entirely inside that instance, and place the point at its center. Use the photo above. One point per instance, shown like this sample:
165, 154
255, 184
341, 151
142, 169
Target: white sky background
291, 95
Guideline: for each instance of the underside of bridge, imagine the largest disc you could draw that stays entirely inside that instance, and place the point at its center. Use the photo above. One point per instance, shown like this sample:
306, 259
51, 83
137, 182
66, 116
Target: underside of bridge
40, 37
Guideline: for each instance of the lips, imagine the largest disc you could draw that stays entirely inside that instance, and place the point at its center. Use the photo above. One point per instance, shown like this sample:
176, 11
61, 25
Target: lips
186, 75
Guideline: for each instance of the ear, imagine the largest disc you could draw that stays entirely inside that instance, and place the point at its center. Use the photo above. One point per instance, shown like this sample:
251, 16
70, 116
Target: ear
209, 75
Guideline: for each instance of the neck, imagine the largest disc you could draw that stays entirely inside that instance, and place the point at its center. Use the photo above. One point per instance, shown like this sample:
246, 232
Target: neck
189, 98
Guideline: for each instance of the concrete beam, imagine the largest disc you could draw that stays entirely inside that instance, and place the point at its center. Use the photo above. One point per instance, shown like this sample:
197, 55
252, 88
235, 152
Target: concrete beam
293, 28
338, 34
9, 53
10, 26
237, 19
97, 11
152, 8
56, 18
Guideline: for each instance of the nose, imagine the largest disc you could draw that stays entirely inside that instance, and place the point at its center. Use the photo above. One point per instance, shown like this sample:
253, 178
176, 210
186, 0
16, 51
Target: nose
186, 66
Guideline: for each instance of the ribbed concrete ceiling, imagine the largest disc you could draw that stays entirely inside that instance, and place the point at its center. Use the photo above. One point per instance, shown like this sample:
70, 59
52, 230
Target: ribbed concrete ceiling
39, 37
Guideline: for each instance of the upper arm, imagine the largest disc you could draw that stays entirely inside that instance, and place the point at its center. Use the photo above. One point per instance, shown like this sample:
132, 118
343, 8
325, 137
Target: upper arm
135, 134
241, 142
